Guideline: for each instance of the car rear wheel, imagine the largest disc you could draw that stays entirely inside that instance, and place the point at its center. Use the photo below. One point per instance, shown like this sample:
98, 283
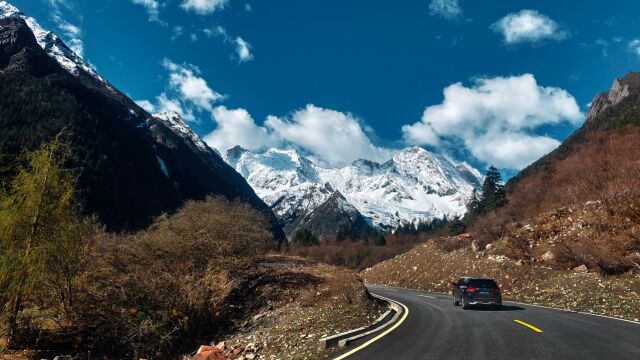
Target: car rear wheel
455, 302
465, 306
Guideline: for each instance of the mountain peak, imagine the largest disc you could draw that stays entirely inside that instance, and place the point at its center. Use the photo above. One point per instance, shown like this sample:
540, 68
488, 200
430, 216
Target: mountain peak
620, 90
8, 10
174, 121
53, 45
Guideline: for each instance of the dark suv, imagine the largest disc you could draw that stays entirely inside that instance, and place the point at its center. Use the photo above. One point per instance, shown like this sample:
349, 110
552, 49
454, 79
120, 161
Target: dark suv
476, 291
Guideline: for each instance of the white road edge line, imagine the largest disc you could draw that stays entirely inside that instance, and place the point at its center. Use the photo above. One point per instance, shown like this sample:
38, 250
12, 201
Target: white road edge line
427, 296
519, 303
383, 334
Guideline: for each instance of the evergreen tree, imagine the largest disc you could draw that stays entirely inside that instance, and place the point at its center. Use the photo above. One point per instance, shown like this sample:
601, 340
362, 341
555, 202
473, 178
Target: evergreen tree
40, 233
304, 237
455, 226
379, 240
343, 233
493, 194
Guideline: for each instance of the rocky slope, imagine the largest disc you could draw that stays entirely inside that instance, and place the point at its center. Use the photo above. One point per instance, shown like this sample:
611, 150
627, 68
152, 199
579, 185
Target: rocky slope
131, 166
414, 185
610, 111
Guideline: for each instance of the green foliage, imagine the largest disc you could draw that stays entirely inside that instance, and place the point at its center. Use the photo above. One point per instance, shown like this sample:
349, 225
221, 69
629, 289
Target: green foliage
493, 196
379, 240
455, 226
348, 232
304, 237
40, 233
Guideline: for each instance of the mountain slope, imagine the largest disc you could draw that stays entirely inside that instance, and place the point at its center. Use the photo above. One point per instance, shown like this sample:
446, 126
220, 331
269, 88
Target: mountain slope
595, 155
131, 166
414, 185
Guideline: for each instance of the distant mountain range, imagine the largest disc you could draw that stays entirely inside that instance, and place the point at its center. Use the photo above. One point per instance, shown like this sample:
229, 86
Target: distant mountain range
415, 185
131, 165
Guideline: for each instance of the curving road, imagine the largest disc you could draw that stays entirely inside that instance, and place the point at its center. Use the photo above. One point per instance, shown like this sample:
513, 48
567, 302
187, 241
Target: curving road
435, 329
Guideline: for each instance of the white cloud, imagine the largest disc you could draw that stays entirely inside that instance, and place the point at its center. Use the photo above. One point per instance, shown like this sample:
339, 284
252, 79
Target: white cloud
248, 7
176, 32
236, 127
146, 105
241, 47
191, 88
634, 46
152, 7
243, 50
495, 119
528, 26
330, 137
203, 7
186, 93
71, 34
448, 9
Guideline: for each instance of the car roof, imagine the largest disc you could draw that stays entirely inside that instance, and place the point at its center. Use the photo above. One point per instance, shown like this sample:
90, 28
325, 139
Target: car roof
476, 278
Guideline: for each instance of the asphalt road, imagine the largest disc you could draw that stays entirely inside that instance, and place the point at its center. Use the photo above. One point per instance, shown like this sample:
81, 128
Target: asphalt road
435, 329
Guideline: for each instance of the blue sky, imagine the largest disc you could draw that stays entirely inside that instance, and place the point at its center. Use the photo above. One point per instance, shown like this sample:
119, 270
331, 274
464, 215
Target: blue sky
347, 79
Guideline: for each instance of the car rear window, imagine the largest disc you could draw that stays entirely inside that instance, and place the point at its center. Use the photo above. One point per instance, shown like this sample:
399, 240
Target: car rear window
482, 283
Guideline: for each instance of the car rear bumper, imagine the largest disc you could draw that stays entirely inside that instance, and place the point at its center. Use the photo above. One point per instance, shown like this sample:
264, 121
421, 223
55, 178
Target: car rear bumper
484, 302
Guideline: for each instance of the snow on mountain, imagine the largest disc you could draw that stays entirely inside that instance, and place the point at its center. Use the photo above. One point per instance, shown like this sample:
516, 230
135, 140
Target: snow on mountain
52, 44
284, 179
414, 185
174, 121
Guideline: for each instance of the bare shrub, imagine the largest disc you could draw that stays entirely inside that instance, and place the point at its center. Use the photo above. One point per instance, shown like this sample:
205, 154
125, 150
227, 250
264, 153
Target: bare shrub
145, 294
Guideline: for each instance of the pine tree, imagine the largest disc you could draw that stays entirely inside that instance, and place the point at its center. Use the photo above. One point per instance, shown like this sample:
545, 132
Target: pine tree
455, 226
40, 232
343, 233
493, 194
304, 237
379, 240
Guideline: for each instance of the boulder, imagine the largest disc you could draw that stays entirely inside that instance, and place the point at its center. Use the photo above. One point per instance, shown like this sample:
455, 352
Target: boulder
475, 246
548, 256
209, 353
581, 269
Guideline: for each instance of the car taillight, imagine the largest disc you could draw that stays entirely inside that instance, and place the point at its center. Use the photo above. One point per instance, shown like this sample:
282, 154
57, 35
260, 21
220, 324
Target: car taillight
472, 289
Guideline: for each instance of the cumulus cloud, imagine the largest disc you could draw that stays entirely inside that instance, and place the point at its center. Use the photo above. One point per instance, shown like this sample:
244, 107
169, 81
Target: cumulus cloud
242, 48
495, 119
191, 88
203, 7
528, 26
236, 127
186, 92
330, 137
146, 105
634, 46
152, 7
447, 9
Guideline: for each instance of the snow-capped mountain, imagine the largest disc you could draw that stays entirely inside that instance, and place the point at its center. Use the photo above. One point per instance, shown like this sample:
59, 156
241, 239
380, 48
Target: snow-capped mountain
52, 44
131, 166
174, 121
414, 185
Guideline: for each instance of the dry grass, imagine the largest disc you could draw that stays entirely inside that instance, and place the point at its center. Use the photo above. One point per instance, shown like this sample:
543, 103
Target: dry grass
358, 254
427, 267
292, 330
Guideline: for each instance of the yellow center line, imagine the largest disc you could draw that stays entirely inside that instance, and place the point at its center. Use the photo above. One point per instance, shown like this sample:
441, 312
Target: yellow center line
528, 325
406, 313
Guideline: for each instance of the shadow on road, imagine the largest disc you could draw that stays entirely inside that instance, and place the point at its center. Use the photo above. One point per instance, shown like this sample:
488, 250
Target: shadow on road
492, 308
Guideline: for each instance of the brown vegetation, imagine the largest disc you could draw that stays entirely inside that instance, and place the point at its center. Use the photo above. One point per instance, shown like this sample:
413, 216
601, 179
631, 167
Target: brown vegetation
603, 169
427, 267
357, 254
